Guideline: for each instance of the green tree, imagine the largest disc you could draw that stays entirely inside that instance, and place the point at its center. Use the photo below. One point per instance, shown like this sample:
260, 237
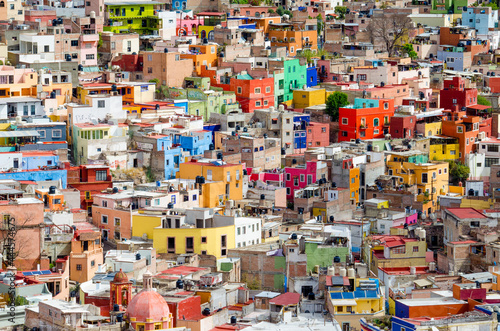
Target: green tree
270, 11
156, 81
289, 13
408, 49
458, 172
334, 101
483, 101
341, 11
320, 24
280, 11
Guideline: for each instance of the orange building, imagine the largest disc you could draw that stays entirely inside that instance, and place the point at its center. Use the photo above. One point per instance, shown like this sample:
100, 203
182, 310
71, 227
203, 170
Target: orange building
86, 252
457, 124
293, 38
264, 22
202, 55
51, 199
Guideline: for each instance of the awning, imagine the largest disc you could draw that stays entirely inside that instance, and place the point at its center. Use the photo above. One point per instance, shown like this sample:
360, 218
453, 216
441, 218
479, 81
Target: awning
479, 107
344, 302
21, 133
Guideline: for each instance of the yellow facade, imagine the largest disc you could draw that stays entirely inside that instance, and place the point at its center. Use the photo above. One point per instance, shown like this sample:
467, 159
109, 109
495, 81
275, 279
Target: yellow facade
449, 152
308, 97
354, 184
363, 305
210, 245
225, 182
145, 224
432, 129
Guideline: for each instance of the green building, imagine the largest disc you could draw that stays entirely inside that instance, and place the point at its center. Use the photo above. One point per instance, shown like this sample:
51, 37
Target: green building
133, 16
279, 86
448, 6
295, 77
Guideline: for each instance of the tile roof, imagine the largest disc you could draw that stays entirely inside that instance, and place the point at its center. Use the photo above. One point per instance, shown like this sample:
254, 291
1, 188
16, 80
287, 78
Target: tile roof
286, 299
466, 213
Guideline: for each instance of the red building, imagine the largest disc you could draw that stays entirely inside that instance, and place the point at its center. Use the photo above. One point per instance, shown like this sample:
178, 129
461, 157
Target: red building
366, 119
44, 17
318, 134
403, 126
184, 305
454, 94
128, 62
89, 180
251, 93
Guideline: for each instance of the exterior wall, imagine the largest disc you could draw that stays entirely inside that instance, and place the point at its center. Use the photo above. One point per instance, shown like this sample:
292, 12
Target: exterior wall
169, 68
84, 263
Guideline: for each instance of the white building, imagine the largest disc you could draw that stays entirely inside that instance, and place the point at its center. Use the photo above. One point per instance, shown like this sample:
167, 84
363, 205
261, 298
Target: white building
248, 231
169, 24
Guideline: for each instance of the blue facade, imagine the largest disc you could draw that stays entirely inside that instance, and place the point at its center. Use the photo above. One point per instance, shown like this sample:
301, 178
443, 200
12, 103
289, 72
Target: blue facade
38, 161
402, 310
183, 104
212, 128
49, 132
179, 4
38, 175
173, 157
300, 139
479, 19
454, 60
312, 76
402, 325
196, 144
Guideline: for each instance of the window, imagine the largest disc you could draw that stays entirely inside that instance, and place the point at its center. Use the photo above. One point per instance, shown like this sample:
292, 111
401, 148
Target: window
309, 179
101, 175
268, 89
375, 122
101, 103
424, 178
171, 244
117, 221
104, 219
92, 263
238, 231
189, 244
74, 43
288, 177
362, 77
239, 90
302, 178
257, 103
223, 244
113, 45
344, 121
415, 249
79, 267
460, 129
386, 105
104, 203
150, 70
399, 250
33, 109
203, 240
256, 90
90, 56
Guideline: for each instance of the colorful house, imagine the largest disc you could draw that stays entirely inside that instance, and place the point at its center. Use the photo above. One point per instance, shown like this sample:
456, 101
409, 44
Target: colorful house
365, 119
299, 177
136, 16
204, 55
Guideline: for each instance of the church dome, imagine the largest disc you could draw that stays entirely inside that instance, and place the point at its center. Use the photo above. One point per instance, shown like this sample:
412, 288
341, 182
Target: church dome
120, 277
148, 304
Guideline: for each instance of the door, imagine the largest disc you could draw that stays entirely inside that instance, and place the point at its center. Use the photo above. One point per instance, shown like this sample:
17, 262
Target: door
105, 235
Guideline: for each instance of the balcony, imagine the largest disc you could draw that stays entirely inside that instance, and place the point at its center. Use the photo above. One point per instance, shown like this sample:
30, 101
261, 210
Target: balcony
387, 124
363, 127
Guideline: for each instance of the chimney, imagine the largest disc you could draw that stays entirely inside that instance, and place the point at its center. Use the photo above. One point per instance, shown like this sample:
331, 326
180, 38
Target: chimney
98, 285
38, 267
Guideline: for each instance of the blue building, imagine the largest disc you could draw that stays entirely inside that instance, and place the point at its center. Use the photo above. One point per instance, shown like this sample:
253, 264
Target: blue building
452, 57
179, 4
195, 143
39, 160
48, 131
300, 130
480, 18
312, 76
172, 155
38, 176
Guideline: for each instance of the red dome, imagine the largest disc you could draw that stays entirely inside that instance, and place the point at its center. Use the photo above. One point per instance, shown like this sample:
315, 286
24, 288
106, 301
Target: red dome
120, 277
148, 304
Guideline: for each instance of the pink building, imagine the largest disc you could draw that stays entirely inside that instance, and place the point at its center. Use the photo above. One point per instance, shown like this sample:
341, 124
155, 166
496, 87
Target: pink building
268, 177
188, 26
318, 134
300, 176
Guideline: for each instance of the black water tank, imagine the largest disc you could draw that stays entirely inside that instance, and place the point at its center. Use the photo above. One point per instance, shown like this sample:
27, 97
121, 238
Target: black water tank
293, 236
245, 129
165, 50
205, 41
283, 151
116, 307
119, 317
211, 147
369, 148
52, 190
311, 296
137, 256
54, 22
157, 107
336, 259
358, 141
80, 67
197, 180
219, 156
265, 136
114, 88
238, 128
262, 197
334, 185
52, 95
332, 218
179, 284
170, 205
206, 312
59, 20
382, 84
68, 57
323, 57
233, 320
294, 161
115, 189
202, 180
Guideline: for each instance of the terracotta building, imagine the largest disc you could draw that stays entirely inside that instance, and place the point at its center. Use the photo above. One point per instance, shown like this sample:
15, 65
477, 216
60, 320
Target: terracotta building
169, 68
86, 253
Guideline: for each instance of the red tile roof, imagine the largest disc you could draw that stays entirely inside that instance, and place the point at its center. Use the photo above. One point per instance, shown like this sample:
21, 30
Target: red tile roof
286, 299
182, 270
465, 242
466, 213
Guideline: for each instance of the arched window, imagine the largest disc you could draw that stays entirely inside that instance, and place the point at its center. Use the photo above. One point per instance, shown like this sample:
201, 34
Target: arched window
375, 122
203, 34
2, 4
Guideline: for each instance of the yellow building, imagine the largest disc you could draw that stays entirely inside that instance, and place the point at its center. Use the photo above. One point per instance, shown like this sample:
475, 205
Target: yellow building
429, 129
444, 149
131, 92
222, 181
413, 168
354, 183
309, 97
